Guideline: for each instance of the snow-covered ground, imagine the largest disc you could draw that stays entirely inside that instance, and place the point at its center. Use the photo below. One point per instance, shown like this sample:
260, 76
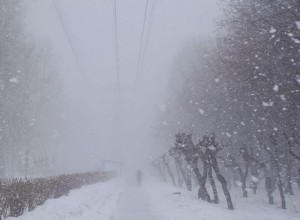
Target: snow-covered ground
120, 200
186, 206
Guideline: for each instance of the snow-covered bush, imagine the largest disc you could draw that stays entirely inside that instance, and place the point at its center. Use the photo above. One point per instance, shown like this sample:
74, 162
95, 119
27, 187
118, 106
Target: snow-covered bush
20, 195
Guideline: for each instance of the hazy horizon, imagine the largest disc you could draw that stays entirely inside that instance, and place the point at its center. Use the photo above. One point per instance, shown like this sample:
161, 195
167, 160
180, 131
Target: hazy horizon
91, 93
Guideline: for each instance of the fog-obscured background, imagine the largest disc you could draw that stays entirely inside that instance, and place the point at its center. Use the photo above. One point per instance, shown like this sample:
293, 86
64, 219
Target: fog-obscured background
87, 131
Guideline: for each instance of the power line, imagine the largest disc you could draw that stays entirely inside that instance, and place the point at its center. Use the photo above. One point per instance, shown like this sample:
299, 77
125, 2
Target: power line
152, 13
153, 7
65, 20
65, 26
117, 42
141, 44
68, 34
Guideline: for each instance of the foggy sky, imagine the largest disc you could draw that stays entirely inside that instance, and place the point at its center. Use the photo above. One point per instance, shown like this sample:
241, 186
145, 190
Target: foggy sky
90, 134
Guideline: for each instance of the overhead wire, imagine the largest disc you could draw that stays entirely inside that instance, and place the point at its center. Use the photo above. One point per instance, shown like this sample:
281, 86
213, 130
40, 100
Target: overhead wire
141, 44
152, 13
68, 29
68, 35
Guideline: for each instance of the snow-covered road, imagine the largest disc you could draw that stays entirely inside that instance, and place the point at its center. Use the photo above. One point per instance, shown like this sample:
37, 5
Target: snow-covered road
120, 200
134, 204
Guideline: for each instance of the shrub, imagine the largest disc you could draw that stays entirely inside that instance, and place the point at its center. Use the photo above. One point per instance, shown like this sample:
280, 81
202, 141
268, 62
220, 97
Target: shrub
20, 195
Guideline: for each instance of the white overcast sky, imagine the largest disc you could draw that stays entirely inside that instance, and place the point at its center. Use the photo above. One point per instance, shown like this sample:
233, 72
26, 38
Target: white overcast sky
92, 26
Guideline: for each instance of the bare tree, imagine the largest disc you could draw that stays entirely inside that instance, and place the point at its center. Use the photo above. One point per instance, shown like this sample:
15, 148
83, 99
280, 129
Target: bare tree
165, 162
274, 154
211, 148
192, 154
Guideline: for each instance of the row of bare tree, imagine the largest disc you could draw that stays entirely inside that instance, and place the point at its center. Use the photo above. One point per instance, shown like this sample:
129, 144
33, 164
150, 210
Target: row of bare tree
245, 168
243, 85
190, 154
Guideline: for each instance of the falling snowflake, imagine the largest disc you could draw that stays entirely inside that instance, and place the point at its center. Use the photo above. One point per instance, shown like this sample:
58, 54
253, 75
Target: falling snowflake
267, 104
228, 135
297, 24
238, 183
254, 179
276, 88
297, 41
14, 80
212, 148
272, 30
282, 97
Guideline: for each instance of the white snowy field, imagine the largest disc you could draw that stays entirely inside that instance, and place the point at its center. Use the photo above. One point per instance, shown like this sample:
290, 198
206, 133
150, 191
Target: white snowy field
186, 206
120, 200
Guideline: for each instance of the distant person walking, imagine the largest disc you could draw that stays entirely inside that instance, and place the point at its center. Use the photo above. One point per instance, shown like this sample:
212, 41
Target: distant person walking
139, 175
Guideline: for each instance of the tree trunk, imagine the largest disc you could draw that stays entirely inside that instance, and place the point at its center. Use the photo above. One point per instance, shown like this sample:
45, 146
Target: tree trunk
274, 160
253, 186
213, 185
170, 173
179, 175
254, 177
298, 178
184, 176
160, 171
202, 193
243, 177
289, 189
269, 189
280, 186
244, 190
222, 180
163, 172
189, 179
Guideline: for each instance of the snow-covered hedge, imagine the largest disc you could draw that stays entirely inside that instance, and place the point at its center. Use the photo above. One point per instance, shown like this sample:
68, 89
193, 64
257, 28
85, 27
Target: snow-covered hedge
20, 195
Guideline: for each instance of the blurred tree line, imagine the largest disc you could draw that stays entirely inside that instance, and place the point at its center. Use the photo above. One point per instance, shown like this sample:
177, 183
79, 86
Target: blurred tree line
29, 91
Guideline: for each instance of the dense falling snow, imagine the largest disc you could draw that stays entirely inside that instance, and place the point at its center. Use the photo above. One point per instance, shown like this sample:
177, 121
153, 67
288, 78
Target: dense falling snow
149, 109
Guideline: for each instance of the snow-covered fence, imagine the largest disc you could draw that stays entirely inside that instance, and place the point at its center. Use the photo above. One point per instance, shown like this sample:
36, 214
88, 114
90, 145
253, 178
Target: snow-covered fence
20, 195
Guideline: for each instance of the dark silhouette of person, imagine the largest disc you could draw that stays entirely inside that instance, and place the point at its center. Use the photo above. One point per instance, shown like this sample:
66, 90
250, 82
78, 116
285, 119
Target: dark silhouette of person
139, 175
